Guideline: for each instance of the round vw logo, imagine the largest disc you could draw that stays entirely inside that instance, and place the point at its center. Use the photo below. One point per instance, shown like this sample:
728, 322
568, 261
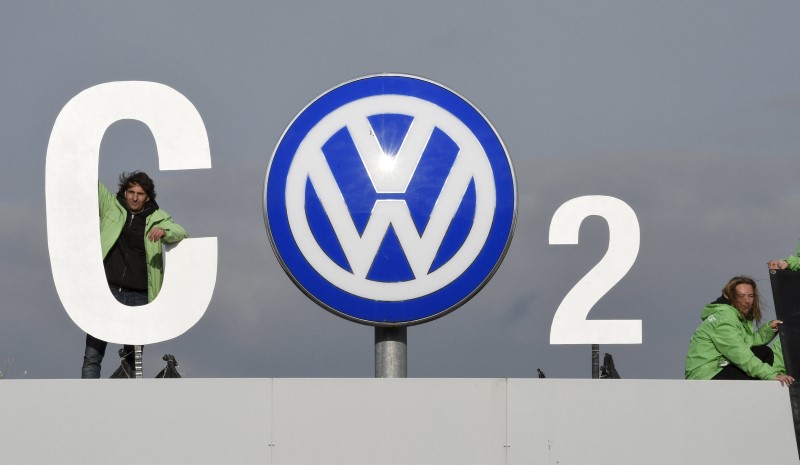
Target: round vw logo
390, 200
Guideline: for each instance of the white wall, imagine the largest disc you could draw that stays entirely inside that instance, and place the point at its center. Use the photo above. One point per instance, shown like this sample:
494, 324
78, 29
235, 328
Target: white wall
394, 421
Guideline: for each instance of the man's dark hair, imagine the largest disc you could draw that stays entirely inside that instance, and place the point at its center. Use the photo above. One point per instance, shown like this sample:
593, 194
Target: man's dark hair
137, 177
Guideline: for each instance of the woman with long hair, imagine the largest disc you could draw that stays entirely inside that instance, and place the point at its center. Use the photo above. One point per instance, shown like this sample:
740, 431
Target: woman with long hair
726, 346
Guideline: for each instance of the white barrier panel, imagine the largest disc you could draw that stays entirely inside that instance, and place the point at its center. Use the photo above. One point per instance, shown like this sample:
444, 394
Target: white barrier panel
395, 421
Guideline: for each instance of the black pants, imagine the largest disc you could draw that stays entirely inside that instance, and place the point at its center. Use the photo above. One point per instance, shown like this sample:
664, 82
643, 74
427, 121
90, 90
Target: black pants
96, 348
764, 353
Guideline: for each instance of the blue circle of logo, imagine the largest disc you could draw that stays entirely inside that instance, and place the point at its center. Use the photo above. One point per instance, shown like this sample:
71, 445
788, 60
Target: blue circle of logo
390, 200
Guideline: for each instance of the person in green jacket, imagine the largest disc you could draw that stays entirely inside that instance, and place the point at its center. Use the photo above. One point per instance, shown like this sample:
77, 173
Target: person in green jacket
132, 229
725, 345
791, 262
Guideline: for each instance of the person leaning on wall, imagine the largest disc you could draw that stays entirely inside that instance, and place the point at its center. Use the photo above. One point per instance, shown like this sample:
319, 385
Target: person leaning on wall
726, 345
132, 230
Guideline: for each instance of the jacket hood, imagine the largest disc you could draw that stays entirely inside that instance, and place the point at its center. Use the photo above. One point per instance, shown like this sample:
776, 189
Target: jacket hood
716, 306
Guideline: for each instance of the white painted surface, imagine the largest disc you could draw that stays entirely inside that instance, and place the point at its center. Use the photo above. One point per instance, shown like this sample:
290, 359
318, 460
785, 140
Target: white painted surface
121, 422
73, 239
570, 323
649, 422
389, 421
395, 421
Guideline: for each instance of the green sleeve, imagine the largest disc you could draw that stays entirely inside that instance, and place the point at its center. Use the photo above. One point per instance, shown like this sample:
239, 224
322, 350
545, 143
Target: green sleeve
777, 351
764, 335
174, 231
794, 260
727, 338
105, 198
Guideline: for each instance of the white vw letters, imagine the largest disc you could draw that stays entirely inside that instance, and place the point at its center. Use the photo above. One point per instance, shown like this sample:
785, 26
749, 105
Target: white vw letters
390, 173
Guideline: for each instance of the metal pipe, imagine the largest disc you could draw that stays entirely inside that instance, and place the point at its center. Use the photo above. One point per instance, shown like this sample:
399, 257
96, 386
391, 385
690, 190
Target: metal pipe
137, 361
391, 352
595, 361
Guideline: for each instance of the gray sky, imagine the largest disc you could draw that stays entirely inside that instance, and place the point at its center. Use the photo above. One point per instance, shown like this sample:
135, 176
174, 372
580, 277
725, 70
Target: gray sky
687, 111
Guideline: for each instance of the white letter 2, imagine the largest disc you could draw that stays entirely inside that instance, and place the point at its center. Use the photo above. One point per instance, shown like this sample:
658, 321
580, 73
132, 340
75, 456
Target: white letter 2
570, 325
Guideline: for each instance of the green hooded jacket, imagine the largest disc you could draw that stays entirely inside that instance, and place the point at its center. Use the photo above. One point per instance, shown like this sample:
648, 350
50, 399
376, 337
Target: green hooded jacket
723, 337
794, 260
777, 352
112, 220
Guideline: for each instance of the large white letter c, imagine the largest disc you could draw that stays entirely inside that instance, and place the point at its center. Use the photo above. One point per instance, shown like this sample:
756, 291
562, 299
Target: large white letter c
73, 157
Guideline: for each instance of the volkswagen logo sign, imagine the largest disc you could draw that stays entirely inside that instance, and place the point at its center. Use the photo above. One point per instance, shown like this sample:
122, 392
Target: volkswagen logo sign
390, 200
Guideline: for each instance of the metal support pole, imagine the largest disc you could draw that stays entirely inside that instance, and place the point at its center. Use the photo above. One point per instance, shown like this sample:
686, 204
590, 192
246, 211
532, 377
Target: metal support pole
137, 361
595, 361
391, 352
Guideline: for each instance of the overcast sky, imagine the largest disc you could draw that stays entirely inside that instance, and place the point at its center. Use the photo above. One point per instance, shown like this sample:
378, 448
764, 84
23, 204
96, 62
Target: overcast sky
689, 111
